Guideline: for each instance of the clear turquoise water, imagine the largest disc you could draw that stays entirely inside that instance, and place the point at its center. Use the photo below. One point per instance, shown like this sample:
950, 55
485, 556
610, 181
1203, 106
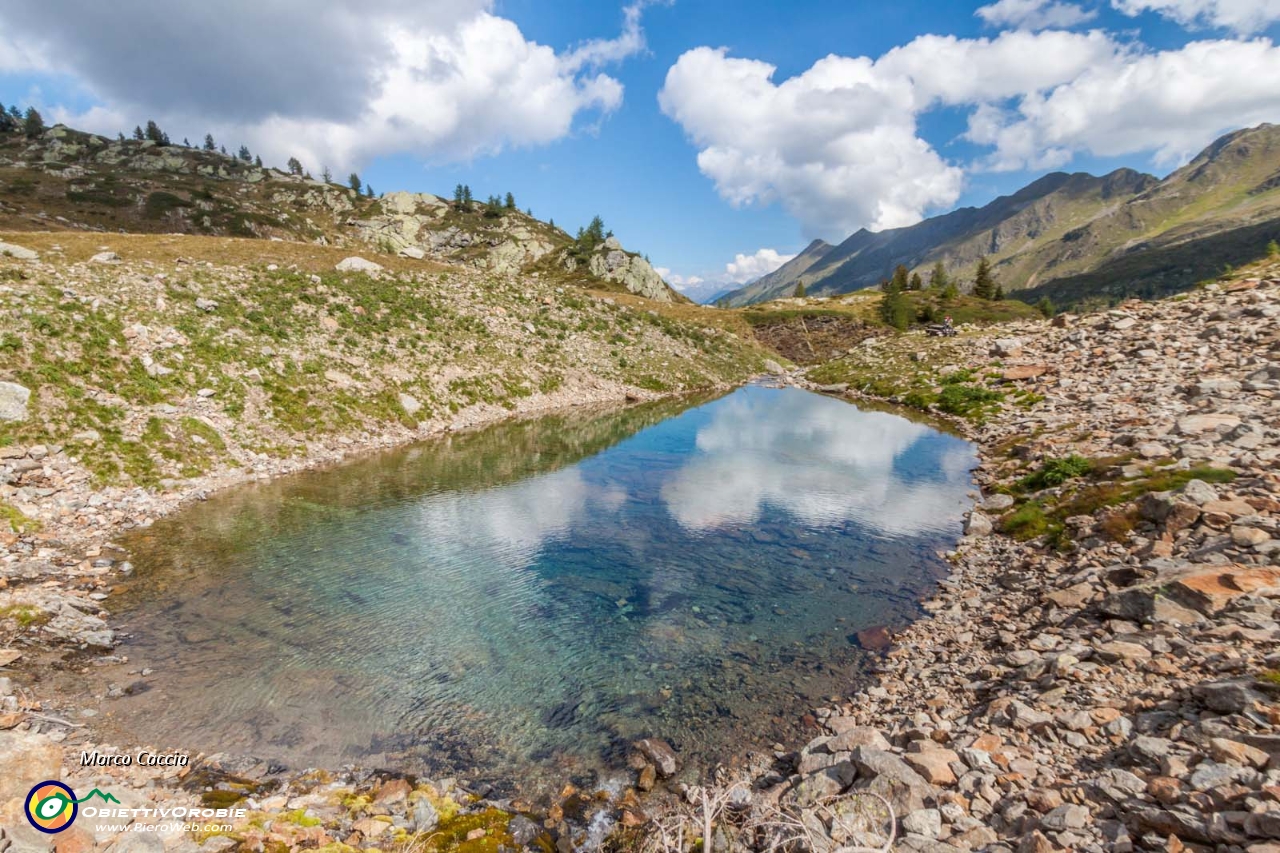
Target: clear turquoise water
522, 602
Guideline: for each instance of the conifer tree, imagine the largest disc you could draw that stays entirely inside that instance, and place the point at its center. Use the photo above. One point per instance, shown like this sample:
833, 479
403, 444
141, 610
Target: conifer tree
938, 279
32, 123
901, 282
138, 135
917, 283
326, 175
984, 285
1273, 249
295, 166
209, 144
511, 202
799, 294
353, 181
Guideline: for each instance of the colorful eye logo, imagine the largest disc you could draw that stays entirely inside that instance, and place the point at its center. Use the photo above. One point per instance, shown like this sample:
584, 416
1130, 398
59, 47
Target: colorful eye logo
51, 807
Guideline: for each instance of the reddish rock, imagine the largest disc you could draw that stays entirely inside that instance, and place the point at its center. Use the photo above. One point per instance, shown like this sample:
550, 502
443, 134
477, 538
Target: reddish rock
876, 639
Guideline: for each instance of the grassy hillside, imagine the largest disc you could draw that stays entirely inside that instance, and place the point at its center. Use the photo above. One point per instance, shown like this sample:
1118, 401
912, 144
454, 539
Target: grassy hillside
196, 351
70, 180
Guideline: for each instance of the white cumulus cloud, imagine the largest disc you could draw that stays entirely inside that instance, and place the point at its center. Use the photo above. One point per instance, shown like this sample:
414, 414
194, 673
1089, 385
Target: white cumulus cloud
745, 268
338, 84
1034, 14
1170, 102
1242, 16
838, 145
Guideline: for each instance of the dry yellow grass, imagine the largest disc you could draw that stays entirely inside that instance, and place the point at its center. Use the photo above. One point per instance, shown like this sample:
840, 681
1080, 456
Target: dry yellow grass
241, 251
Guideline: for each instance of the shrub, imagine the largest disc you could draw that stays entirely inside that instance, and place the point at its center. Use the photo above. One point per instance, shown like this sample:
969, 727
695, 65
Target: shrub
1055, 472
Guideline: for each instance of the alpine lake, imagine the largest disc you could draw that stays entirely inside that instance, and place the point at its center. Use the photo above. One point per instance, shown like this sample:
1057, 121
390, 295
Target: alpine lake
519, 604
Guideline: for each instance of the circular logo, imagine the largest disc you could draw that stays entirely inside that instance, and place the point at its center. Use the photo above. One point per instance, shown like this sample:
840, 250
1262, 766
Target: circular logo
51, 807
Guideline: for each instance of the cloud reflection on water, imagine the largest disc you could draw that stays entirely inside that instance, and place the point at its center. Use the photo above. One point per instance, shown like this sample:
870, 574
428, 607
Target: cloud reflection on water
822, 461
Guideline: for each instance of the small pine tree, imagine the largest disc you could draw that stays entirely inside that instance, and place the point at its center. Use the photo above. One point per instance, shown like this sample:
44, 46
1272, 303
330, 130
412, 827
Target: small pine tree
353, 181
950, 291
257, 161
138, 135
368, 190
917, 283
895, 310
1273, 249
467, 199
326, 175
155, 134
900, 282
511, 202
457, 197
984, 285
1046, 307
551, 222
295, 166
593, 235
245, 154
15, 113
493, 207
120, 137
938, 279
222, 149
186, 143
32, 123
209, 144
999, 294
799, 294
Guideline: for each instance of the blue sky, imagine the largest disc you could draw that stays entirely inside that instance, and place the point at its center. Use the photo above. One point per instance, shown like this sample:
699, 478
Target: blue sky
790, 162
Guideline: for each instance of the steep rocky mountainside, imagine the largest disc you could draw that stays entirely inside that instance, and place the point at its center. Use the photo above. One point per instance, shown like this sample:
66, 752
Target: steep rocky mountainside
69, 180
1072, 237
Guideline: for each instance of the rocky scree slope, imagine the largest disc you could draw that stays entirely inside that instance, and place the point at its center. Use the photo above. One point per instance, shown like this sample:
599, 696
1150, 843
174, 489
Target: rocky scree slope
1075, 236
1100, 672
67, 179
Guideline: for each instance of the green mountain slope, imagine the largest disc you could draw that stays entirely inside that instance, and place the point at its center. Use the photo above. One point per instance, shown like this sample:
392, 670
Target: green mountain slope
1075, 236
65, 179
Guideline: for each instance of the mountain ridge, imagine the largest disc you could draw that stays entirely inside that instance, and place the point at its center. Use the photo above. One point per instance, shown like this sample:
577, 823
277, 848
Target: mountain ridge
1063, 234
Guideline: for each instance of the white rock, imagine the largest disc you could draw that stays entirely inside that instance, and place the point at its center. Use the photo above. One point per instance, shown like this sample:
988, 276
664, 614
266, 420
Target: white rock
357, 264
410, 404
13, 401
412, 252
18, 252
105, 258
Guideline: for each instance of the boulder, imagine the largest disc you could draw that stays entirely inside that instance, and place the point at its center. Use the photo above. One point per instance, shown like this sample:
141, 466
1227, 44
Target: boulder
18, 252
105, 258
410, 404
412, 252
1211, 591
978, 525
1024, 372
660, 754
13, 401
357, 264
1007, 347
